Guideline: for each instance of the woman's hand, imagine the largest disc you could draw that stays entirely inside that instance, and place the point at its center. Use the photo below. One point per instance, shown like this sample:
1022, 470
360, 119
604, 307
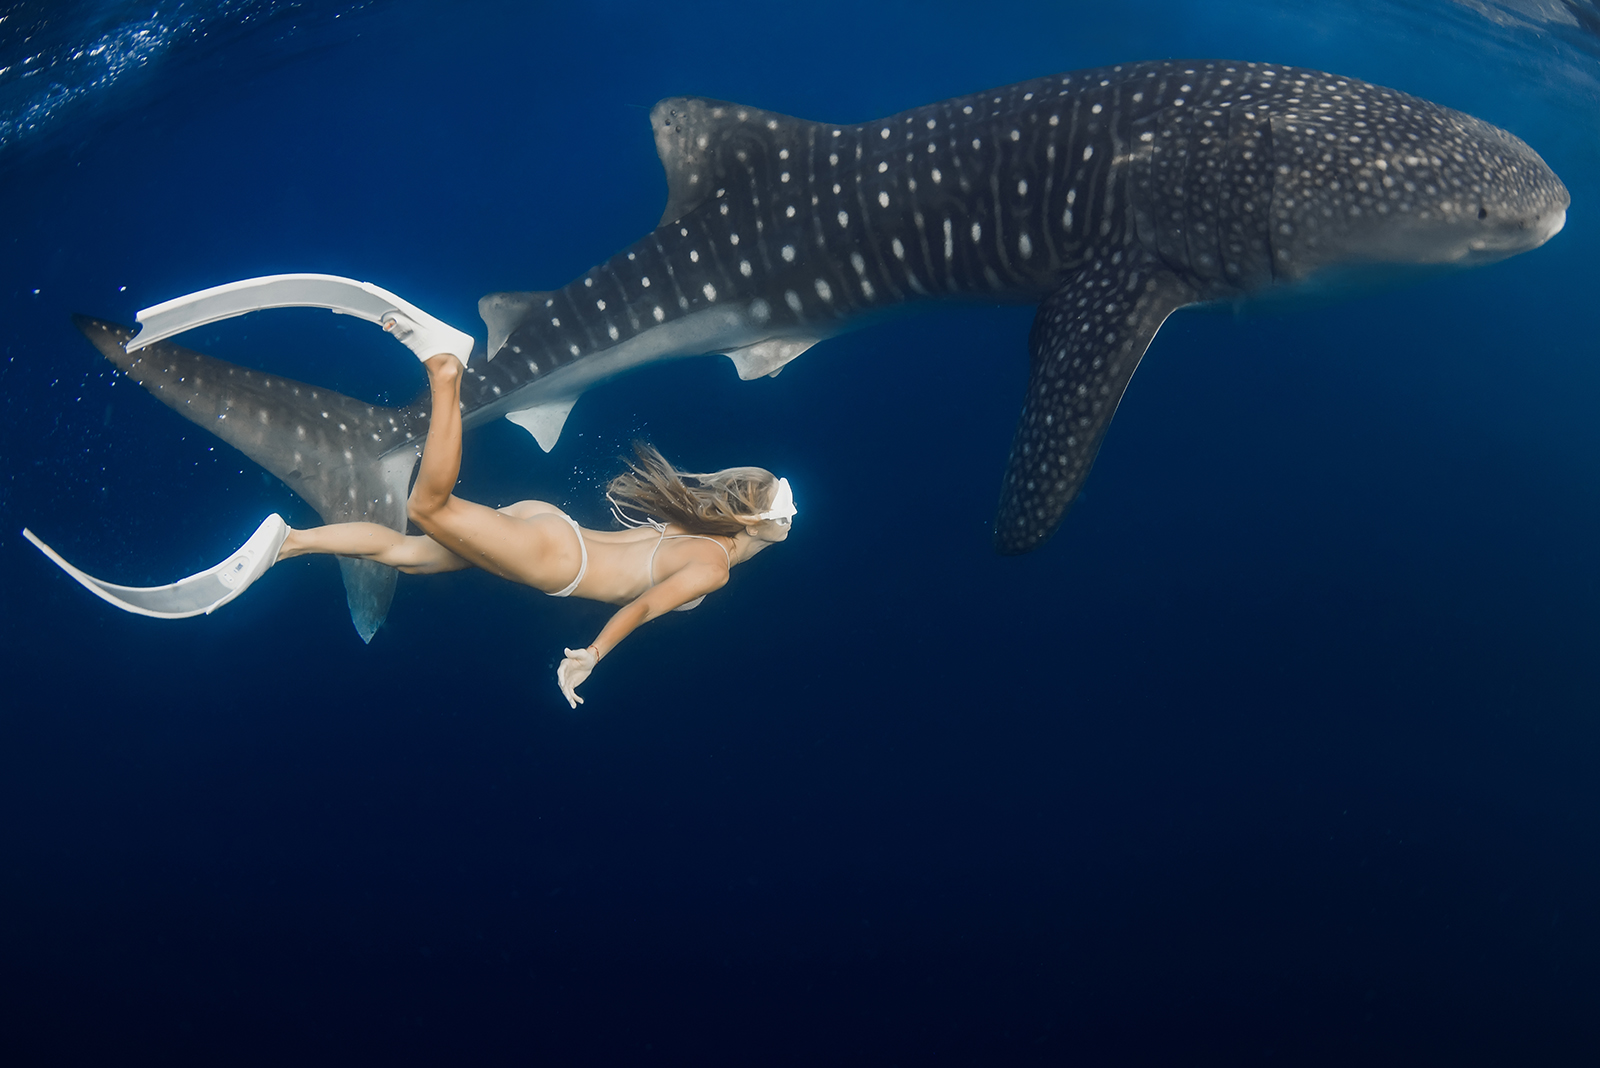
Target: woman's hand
573, 670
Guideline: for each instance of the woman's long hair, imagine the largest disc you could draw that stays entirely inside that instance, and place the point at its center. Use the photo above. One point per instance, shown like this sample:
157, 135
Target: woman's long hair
718, 502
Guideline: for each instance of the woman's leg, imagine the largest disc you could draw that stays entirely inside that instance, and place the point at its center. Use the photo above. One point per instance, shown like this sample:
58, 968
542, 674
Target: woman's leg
441, 453
373, 541
533, 550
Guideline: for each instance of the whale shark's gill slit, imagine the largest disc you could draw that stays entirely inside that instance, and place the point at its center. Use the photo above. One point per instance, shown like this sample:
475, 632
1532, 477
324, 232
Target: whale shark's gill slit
353, 461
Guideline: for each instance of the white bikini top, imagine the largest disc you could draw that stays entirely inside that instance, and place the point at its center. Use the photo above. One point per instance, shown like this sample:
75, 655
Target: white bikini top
661, 528
664, 536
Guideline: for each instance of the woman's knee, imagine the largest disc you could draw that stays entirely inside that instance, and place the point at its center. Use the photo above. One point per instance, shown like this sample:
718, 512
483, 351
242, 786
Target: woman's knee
421, 508
422, 556
444, 519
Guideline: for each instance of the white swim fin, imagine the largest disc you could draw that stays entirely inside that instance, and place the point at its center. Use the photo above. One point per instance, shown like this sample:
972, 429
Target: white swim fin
199, 594
416, 329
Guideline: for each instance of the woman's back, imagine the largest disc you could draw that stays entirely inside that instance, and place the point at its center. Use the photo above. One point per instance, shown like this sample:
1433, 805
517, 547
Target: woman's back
623, 564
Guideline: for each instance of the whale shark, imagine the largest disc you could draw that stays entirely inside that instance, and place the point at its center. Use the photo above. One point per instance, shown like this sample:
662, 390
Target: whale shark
1110, 197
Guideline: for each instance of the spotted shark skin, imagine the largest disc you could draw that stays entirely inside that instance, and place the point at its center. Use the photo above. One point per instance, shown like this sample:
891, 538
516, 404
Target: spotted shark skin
1110, 197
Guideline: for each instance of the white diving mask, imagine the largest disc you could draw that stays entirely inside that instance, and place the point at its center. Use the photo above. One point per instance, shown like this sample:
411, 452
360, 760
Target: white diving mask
783, 508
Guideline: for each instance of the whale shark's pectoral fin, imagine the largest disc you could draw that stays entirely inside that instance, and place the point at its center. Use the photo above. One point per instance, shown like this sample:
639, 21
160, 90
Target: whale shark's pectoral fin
1087, 339
768, 357
544, 421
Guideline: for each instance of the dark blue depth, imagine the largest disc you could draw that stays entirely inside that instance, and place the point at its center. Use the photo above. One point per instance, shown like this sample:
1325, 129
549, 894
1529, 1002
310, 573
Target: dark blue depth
1282, 752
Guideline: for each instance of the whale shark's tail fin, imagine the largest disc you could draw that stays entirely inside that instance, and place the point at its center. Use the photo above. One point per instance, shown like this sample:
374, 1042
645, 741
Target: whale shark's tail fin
349, 460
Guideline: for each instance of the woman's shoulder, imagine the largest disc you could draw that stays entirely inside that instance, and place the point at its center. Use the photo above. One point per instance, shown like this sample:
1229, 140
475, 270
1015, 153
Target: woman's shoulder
712, 548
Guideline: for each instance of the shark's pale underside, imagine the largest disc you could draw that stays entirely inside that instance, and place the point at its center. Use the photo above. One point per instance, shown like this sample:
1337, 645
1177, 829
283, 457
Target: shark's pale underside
1111, 197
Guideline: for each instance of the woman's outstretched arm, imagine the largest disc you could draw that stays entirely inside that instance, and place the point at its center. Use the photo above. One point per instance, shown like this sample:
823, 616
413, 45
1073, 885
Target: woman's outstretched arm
683, 586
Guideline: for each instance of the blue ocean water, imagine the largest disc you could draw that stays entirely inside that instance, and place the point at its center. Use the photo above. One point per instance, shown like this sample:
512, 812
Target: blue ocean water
1283, 750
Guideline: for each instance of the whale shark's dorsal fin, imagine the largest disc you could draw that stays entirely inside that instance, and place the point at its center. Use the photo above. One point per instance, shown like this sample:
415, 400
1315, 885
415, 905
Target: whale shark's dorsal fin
544, 421
706, 145
503, 312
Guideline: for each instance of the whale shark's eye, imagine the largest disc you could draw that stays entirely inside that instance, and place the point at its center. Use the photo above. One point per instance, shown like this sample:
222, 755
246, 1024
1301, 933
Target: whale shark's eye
1483, 213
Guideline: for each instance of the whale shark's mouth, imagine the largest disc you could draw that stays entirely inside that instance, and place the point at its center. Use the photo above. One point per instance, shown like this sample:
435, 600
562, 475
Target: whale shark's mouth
1487, 249
1552, 226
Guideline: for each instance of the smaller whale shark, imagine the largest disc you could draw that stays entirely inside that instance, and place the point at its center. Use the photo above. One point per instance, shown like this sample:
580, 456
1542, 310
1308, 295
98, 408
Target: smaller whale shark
1109, 197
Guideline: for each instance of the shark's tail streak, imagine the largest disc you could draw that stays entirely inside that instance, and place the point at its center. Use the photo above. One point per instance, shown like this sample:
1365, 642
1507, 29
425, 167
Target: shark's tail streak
349, 460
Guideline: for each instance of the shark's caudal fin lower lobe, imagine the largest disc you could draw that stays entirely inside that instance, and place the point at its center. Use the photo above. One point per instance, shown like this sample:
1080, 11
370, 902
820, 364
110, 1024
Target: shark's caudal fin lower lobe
349, 460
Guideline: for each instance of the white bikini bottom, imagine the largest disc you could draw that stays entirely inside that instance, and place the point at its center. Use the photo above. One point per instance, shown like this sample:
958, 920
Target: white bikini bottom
583, 567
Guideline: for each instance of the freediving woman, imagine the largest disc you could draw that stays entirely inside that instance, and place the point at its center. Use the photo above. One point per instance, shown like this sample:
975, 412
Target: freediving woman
683, 533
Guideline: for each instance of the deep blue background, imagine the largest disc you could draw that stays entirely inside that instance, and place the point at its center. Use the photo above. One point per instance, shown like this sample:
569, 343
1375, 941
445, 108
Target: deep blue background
1282, 752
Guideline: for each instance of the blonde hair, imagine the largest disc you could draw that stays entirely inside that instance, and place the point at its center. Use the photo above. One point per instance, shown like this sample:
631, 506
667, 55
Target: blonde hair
717, 502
